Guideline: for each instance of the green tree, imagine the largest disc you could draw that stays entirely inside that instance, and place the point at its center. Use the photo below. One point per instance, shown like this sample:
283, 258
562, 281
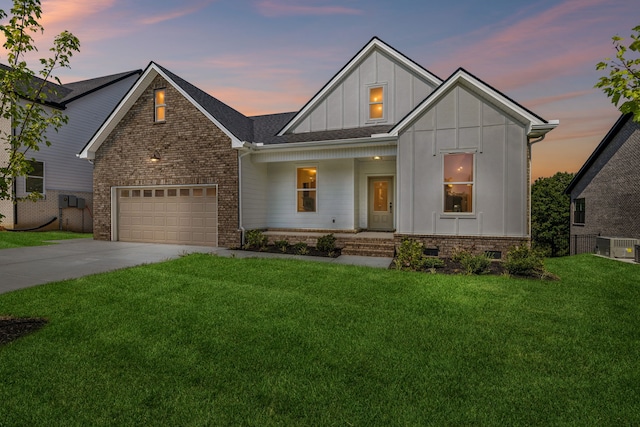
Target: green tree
550, 214
24, 93
623, 81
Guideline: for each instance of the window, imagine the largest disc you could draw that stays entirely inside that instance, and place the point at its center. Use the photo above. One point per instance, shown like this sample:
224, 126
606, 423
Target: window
34, 182
578, 214
376, 103
458, 182
306, 189
160, 105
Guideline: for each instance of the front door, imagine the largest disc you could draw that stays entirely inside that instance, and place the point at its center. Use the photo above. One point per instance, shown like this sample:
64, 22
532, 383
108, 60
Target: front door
381, 203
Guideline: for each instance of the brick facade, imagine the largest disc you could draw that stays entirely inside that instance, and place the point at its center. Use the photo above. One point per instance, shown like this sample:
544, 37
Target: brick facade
476, 244
34, 214
192, 151
610, 188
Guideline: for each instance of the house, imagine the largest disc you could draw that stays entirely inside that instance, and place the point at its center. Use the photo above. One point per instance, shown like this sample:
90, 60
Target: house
65, 181
605, 199
384, 146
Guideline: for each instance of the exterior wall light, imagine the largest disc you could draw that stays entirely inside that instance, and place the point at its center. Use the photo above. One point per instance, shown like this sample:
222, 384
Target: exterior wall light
155, 157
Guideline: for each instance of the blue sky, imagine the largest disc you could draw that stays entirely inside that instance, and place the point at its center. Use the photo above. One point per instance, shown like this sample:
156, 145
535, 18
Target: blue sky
269, 56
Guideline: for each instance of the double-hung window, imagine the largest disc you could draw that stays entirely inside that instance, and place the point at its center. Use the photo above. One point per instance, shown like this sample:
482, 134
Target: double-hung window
160, 105
578, 213
306, 188
376, 103
458, 180
34, 182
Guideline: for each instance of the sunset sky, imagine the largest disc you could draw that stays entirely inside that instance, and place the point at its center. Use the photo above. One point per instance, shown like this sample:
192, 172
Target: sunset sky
270, 56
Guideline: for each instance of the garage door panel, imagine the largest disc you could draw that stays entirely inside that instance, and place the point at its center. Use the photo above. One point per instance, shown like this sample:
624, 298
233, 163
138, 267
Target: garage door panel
169, 215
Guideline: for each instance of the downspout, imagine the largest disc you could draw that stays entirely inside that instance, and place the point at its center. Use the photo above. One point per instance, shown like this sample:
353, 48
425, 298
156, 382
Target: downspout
530, 142
240, 226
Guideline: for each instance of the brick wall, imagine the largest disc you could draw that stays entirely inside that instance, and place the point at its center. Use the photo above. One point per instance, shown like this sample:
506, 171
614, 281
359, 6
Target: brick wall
192, 151
476, 244
33, 214
611, 188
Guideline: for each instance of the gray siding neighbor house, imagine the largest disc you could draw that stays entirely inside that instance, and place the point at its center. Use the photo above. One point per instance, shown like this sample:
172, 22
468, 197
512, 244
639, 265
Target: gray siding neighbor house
605, 193
385, 146
65, 181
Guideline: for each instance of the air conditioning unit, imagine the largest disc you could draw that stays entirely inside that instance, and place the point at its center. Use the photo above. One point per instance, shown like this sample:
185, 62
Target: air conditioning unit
616, 247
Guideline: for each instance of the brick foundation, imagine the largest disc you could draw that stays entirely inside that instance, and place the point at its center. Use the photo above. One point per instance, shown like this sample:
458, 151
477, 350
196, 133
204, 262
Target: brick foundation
475, 244
34, 214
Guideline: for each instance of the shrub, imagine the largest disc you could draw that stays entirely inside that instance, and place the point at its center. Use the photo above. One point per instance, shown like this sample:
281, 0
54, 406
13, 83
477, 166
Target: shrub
524, 261
283, 245
410, 256
326, 243
475, 264
301, 248
458, 254
255, 239
433, 262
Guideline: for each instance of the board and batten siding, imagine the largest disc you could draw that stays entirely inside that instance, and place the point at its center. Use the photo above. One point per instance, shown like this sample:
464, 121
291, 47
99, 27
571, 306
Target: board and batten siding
366, 170
254, 193
463, 122
346, 106
334, 198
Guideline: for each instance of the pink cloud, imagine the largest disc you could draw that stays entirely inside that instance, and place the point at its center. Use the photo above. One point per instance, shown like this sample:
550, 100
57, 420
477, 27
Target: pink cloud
556, 98
177, 13
273, 8
68, 11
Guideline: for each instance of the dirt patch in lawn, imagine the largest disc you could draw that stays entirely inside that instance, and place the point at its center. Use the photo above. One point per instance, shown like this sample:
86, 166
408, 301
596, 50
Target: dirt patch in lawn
12, 328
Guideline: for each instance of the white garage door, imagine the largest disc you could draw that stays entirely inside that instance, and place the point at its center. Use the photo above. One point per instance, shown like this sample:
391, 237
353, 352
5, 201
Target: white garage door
182, 215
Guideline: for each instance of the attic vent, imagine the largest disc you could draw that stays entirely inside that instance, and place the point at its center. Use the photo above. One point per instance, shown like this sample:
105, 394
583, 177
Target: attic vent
616, 247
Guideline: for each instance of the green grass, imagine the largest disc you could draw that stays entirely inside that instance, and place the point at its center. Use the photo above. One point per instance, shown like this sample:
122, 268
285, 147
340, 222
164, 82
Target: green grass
204, 340
18, 239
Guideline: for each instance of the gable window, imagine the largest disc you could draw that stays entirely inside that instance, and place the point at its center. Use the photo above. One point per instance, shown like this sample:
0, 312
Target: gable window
578, 213
458, 182
160, 106
34, 182
306, 189
376, 103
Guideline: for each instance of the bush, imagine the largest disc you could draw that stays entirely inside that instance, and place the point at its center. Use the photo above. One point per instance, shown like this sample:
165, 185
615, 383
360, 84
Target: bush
326, 243
255, 239
476, 264
301, 248
433, 262
410, 256
524, 261
283, 245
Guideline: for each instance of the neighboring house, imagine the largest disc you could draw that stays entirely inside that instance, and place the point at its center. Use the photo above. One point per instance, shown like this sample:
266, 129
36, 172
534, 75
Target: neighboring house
65, 181
605, 193
385, 145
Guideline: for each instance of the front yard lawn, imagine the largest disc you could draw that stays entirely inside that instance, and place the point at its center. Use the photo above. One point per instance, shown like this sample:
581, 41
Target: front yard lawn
205, 340
17, 239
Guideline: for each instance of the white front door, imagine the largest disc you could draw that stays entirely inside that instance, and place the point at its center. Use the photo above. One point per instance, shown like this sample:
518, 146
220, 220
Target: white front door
381, 203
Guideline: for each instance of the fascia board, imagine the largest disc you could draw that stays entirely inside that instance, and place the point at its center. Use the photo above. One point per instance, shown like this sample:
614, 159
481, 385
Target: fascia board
370, 47
462, 78
383, 139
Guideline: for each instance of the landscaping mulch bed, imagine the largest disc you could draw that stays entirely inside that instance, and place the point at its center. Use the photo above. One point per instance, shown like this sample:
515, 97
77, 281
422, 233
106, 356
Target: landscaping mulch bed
311, 251
12, 328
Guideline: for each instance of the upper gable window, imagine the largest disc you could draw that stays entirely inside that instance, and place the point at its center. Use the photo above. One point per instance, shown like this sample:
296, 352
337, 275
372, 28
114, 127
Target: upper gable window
376, 103
160, 105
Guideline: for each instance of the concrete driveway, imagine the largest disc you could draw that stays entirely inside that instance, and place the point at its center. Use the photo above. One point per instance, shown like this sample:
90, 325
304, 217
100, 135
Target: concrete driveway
69, 259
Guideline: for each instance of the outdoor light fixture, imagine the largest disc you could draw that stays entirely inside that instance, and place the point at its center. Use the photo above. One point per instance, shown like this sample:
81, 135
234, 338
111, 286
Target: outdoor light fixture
155, 157
376, 157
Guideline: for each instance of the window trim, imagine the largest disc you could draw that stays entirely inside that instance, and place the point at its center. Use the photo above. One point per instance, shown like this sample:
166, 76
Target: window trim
384, 102
298, 190
30, 176
473, 183
576, 211
157, 106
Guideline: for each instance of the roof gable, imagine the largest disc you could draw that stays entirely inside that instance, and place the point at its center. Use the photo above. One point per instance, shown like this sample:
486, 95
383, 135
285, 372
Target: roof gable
536, 125
232, 123
375, 44
609, 137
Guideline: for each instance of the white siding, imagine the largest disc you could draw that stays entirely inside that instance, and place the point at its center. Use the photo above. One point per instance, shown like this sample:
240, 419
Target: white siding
254, 193
462, 121
366, 169
6, 206
346, 106
63, 170
334, 198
